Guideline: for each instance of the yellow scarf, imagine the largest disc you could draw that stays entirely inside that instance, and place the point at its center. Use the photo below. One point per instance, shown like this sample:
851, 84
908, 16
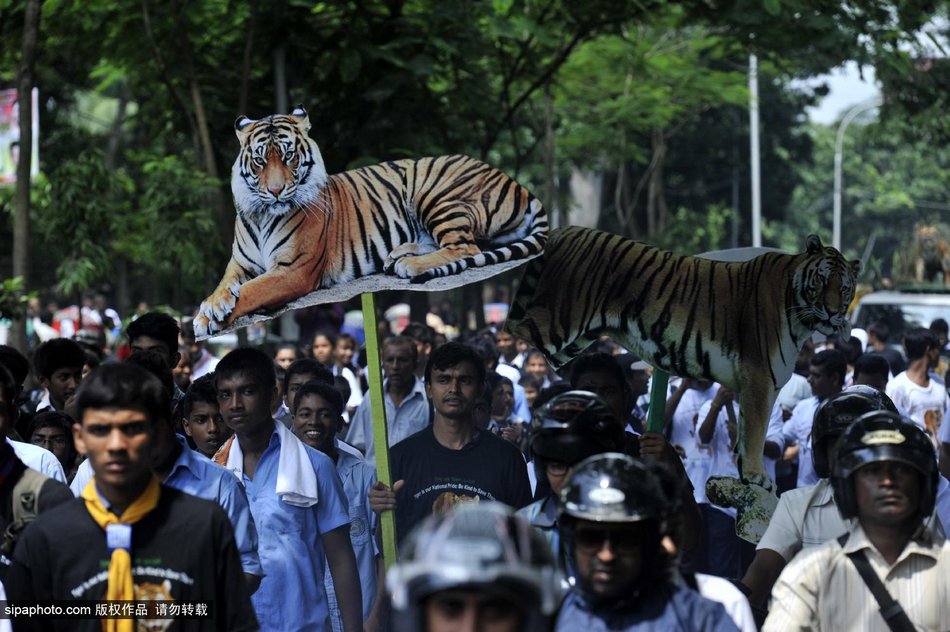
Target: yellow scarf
120, 566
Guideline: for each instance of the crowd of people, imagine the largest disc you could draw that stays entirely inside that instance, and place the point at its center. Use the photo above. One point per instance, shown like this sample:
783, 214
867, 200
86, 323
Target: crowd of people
149, 470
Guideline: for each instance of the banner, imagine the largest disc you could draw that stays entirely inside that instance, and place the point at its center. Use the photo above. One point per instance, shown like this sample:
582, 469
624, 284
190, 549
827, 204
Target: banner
10, 135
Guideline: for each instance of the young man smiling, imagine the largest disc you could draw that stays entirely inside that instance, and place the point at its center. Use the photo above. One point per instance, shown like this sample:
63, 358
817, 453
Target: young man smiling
451, 461
148, 536
297, 500
318, 417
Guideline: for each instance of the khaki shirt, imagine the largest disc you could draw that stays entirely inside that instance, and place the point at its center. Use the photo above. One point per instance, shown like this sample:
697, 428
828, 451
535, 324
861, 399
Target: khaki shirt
822, 590
805, 517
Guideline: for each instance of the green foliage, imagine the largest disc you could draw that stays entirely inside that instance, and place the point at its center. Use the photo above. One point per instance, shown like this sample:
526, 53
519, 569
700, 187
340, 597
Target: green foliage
692, 232
13, 298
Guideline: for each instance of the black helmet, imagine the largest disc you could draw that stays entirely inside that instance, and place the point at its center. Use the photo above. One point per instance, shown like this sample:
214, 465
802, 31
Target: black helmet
573, 426
485, 547
613, 487
837, 413
883, 436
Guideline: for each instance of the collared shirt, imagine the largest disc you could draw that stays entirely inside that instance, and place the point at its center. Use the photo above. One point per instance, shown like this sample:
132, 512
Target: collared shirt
292, 594
799, 426
39, 459
411, 416
542, 514
358, 477
805, 517
677, 609
821, 589
196, 474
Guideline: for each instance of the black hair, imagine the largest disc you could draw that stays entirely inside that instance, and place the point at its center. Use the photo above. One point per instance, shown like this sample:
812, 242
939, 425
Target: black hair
421, 332
15, 362
92, 359
157, 325
308, 365
452, 354
598, 362
401, 340
940, 326
56, 354
880, 330
833, 362
918, 341
201, 390
347, 337
326, 333
342, 386
851, 348
279, 374
55, 419
498, 381
123, 385
156, 364
547, 394
872, 364
324, 390
530, 380
486, 349
9, 388
286, 345
253, 363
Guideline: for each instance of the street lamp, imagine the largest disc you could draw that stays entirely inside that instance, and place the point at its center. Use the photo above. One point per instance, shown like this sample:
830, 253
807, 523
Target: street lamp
839, 146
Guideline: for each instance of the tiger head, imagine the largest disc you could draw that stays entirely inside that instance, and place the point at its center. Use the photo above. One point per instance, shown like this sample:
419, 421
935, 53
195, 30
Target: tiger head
823, 286
279, 167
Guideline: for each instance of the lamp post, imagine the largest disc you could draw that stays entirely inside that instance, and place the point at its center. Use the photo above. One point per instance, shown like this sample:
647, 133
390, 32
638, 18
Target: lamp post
754, 151
839, 146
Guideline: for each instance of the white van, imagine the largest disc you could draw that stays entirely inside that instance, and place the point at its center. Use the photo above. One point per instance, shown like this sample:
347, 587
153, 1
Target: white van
901, 310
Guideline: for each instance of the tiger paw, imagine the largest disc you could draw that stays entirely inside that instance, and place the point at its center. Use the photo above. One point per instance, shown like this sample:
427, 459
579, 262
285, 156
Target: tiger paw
754, 504
390, 266
213, 313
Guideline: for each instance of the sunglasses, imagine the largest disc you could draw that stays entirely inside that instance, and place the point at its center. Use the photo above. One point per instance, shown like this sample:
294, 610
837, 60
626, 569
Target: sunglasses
623, 540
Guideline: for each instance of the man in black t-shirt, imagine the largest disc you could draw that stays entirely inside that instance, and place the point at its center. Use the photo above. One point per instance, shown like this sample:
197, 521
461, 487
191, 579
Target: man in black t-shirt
176, 548
451, 462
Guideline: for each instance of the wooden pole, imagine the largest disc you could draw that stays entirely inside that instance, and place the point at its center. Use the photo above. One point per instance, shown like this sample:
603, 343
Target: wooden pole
658, 392
380, 435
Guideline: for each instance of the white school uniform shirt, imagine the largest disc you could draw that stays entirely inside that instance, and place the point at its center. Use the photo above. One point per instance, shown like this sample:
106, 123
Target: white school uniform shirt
722, 459
799, 426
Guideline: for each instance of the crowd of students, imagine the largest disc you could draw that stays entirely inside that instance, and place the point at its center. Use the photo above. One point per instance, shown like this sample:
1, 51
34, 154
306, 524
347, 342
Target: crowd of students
524, 499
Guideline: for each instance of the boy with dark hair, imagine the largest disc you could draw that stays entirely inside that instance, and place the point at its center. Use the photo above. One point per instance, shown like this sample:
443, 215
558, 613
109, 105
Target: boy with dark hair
916, 394
157, 332
871, 370
451, 461
878, 335
297, 374
318, 417
147, 535
57, 365
285, 479
53, 431
201, 418
424, 337
179, 467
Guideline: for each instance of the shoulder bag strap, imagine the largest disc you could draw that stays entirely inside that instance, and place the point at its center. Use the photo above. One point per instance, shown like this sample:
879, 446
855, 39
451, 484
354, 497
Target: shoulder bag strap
894, 615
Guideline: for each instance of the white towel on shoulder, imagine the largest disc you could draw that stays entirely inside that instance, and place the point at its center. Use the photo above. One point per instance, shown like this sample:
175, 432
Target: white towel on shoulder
296, 478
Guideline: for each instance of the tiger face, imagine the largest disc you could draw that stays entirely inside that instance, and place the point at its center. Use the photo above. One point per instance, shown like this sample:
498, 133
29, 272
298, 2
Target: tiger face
823, 285
279, 167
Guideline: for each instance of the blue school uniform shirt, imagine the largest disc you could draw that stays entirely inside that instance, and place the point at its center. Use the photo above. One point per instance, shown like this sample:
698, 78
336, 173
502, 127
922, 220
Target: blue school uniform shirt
292, 595
196, 474
358, 477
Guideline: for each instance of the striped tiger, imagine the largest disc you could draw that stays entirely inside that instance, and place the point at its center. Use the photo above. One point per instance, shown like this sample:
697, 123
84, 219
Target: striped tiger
738, 323
298, 229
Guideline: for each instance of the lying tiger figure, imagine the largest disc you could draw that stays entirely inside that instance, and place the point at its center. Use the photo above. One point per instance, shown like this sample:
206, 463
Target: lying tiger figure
298, 229
933, 256
738, 323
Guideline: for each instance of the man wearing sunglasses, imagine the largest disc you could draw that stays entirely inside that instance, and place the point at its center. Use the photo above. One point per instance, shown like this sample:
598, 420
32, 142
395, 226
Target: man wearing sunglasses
612, 520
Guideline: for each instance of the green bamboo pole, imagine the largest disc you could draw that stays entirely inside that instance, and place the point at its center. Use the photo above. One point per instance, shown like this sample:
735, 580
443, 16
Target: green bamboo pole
380, 437
658, 391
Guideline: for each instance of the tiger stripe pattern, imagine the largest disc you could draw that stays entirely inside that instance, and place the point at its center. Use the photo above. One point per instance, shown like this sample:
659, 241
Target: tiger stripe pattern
737, 323
298, 229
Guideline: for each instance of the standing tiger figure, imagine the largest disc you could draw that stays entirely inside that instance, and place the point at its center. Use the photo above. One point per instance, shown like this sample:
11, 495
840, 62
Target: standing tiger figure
738, 323
298, 229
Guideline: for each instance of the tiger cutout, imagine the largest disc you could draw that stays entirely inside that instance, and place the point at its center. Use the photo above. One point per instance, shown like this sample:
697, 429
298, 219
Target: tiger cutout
738, 323
298, 229
151, 594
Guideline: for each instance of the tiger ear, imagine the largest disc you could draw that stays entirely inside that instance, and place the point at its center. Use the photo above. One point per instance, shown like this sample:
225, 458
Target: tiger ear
813, 245
855, 268
240, 127
303, 120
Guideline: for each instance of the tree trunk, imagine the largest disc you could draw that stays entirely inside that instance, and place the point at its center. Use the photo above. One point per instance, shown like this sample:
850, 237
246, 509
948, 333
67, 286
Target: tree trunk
246, 62
656, 194
21, 220
550, 173
280, 79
